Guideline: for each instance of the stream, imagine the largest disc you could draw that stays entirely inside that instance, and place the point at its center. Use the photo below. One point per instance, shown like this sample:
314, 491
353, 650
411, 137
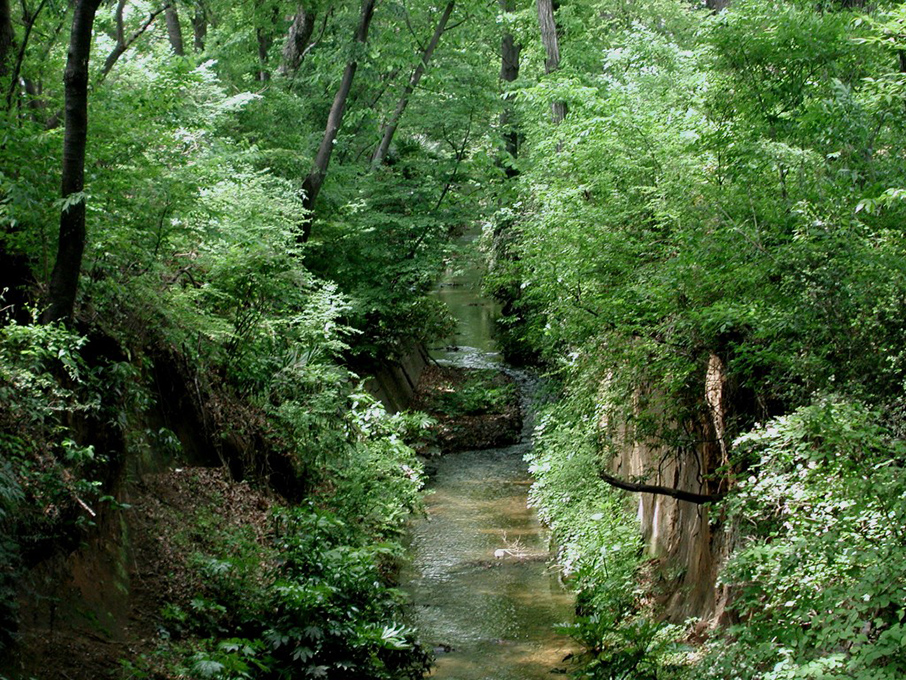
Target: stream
485, 596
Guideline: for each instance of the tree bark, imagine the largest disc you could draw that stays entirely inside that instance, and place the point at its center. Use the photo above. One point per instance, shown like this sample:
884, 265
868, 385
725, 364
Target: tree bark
174, 31
679, 494
509, 72
199, 27
311, 187
7, 36
391, 126
551, 42
65, 276
300, 32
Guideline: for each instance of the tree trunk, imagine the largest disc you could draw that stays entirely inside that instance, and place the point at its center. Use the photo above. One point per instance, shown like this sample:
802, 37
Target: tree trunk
265, 38
509, 71
551, 43
311, 187
392, 125
199, 27
6, 36
174, 31
264, 45
300, 32
65, 276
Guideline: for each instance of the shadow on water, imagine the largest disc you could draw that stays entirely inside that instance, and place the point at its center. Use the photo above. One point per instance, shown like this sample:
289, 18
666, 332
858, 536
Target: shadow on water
480, 578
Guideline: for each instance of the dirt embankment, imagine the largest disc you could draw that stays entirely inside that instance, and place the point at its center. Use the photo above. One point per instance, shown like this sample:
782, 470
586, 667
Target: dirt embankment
474, 408
90, 628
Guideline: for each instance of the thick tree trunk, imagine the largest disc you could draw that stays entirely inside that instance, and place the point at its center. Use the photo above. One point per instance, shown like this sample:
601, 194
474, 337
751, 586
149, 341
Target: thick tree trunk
65, 276
199, 27
391, 126
6, 36
311, 187
551, 42
300, 32
509, 71
174, 31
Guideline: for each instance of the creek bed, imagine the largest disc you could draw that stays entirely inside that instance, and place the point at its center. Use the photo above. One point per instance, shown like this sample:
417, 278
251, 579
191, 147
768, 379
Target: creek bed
483, 591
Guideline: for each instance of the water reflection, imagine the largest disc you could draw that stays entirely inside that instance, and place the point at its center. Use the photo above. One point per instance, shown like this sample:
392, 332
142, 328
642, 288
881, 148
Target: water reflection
472, 342
479, 577
497, 613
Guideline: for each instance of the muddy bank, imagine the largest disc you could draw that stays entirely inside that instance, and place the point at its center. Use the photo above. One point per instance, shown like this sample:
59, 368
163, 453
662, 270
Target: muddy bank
110, 610
474, 408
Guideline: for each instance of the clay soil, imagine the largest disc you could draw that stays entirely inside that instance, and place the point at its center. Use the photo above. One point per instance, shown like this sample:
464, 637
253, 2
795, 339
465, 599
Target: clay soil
500, 427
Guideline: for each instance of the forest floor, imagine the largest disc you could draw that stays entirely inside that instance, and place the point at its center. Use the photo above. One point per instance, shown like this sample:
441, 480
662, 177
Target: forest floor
474, 408
173, 517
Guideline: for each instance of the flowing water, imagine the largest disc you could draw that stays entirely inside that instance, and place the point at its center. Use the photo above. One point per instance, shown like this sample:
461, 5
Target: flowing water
484, 594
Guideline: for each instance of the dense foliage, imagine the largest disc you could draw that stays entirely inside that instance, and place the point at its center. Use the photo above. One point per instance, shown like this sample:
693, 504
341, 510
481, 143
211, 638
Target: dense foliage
725, 190
680, 192
208, 327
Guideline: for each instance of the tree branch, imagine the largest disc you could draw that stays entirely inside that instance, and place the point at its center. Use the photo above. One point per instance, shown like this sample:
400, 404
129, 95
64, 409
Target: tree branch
122, 43
17, 69
688, 496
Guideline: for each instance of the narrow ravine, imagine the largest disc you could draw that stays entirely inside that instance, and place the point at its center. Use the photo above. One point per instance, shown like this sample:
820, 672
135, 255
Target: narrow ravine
484, 594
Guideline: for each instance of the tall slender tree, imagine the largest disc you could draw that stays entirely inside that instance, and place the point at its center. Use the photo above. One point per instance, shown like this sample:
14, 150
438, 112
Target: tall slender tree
391, 125
64, 279
509, 72
312, 184
199, 27
551, 41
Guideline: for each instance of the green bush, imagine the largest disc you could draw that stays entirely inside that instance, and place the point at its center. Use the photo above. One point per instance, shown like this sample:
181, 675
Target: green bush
313, 602
482, 392
819, 574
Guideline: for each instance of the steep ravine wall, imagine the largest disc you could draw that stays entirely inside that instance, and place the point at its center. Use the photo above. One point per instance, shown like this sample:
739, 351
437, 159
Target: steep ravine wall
393, 382
79, 602
689, 540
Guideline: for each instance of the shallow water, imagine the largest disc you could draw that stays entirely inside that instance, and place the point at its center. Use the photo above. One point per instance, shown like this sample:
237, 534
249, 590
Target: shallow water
475, 315
484, 595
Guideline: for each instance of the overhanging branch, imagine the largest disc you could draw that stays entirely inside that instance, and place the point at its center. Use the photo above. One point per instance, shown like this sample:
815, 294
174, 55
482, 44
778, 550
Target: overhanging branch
689, 496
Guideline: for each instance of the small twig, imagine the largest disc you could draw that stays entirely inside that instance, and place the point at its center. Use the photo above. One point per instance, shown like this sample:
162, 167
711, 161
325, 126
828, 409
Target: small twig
85, 507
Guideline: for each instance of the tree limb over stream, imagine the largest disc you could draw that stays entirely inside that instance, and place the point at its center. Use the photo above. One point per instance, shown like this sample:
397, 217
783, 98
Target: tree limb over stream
689, 496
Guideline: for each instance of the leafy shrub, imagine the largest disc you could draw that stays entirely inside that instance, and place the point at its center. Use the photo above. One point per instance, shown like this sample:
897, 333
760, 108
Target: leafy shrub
313, 601
819, 573
483, 391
